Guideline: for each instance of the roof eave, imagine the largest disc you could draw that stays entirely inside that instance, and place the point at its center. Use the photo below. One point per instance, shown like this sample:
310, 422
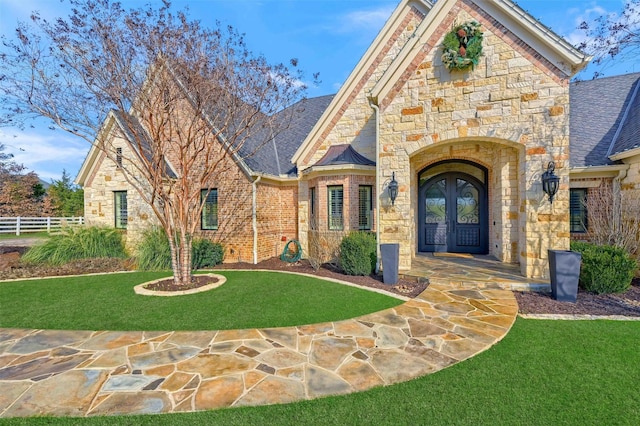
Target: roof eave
555, 49
625, 154
89, 162
357, 74
394, 72
339, 169
567, 58
597, 171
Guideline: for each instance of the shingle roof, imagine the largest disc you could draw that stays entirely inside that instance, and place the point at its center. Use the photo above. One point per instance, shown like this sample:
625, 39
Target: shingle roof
274, 157
343, 154
597, 110
629, 136
604, 120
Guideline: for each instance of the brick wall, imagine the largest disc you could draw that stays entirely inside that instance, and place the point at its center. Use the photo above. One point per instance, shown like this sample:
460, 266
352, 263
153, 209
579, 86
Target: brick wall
277, 211
277, 218
351, 185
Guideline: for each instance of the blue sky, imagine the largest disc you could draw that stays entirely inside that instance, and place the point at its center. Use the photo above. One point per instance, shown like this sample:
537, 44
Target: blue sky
327, 36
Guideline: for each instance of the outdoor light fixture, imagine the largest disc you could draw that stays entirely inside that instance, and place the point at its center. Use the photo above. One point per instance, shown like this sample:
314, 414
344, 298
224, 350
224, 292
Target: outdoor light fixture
393, 188
550, 181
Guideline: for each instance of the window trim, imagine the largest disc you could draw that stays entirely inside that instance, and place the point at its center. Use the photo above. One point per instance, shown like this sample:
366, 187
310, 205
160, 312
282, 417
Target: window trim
331, 225
313, 214
582, 212
203, 213
367, 209
120, 221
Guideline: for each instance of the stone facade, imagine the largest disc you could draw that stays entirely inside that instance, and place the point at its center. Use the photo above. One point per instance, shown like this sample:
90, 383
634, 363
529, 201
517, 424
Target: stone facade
509, 115
99, 195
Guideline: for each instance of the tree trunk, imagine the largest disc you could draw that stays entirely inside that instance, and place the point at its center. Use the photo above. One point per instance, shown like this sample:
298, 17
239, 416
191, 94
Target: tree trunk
180, 245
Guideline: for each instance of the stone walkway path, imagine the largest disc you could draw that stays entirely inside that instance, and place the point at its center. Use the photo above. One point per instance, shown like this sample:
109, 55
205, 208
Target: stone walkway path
474, 271
85, 373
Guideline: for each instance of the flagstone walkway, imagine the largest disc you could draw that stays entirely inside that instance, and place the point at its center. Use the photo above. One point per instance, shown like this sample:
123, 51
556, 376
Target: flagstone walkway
87, 373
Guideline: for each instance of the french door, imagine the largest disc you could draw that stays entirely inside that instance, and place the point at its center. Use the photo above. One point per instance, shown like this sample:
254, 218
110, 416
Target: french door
452, 214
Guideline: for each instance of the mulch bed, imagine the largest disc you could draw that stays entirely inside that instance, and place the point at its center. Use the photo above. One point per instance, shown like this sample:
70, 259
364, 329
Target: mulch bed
404, 287
627, 303
197, 281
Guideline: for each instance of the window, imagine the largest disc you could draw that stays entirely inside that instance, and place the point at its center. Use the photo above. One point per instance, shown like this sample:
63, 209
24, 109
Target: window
120, 204
578, 210
335, 207
209, 218
312, 209
119, 157
365, 207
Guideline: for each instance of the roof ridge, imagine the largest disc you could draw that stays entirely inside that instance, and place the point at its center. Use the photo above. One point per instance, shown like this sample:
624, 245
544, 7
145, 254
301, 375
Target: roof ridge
606, 77
624, 117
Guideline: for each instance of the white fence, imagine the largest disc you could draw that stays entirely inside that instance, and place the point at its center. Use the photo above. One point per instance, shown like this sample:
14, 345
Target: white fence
22, 225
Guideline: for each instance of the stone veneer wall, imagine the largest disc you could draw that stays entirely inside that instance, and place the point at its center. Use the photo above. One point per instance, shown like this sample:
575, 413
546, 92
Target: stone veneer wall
355, 122
631, 182
630, 187
99, 196
513, 108
502, 163
512, 100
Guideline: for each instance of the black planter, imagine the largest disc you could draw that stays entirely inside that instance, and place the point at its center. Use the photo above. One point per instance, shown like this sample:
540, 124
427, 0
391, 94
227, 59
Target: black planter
390, 254
564, 271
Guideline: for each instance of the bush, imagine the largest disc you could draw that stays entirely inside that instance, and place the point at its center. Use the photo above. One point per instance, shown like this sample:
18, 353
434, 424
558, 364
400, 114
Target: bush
154, 254
358, 253
605, 269
78, 243
206, 253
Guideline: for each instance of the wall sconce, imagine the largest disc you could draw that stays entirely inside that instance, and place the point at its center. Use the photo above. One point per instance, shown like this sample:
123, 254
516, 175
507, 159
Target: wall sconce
550, 181
393, 188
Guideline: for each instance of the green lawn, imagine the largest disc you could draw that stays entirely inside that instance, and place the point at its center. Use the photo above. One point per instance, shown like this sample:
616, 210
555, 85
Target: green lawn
24, 235
246, 300
542, 373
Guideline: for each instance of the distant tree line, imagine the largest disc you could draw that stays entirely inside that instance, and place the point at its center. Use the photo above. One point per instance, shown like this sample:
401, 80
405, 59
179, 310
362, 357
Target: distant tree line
23, 194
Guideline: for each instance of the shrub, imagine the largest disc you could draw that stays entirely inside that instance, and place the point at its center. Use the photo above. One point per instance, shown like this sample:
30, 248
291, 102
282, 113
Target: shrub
358, 253
605, 269
78, 243
324, 247
154, 254
206, 253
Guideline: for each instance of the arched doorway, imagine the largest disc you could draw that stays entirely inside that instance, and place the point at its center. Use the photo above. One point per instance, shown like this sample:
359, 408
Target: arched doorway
452, 209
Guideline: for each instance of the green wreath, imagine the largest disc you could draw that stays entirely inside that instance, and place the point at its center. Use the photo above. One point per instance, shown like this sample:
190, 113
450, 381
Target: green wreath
462, 46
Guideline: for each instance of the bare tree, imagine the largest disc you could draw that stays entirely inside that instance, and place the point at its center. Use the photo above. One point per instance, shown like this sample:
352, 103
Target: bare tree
614, 217
187, 99
323, 246
613, 34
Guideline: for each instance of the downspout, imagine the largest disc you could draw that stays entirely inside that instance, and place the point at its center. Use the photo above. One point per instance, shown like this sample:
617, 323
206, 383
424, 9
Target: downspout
376, 111
617, 192
254, 217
